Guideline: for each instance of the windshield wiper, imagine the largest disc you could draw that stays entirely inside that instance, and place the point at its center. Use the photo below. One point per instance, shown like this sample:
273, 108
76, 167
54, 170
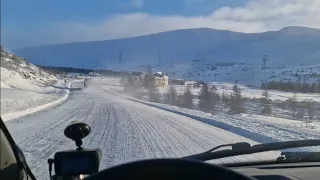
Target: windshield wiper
245, 148
299, 157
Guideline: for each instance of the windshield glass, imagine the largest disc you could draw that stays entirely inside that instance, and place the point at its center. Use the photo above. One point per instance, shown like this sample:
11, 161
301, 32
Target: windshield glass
159, 79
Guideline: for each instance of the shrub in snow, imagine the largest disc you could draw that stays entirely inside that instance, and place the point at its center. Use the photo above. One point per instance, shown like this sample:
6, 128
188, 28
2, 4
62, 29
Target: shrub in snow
208, 98
311, 109
187, 98
293, 104
173, 95
236, 104
265, 103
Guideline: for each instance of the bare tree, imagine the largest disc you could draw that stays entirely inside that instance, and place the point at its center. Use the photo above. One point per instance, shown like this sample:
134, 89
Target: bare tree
310, 105
301, 112
293, 104
265, 103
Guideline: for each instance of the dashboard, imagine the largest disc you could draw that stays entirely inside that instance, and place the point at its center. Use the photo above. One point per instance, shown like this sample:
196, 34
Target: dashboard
291, 171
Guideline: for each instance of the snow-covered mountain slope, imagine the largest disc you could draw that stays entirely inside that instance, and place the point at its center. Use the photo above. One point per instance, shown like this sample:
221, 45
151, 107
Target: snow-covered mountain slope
289, 46
25, 86
16, 72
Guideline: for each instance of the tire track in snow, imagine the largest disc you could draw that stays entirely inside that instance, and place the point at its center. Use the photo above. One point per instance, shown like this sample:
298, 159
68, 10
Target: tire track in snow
124, 130
45, 145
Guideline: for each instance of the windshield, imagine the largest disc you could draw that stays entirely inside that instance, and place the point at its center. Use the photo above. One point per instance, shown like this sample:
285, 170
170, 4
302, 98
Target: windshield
159, 79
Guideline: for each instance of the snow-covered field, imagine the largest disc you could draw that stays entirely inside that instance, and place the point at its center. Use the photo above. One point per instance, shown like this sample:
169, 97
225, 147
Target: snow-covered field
247, 92
248, 74
124, 130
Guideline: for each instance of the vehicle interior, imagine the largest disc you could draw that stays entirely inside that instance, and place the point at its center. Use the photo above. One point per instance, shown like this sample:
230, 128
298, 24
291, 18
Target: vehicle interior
73, 164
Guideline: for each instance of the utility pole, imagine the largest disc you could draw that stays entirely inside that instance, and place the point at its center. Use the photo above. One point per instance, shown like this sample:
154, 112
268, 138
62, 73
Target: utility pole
264, 62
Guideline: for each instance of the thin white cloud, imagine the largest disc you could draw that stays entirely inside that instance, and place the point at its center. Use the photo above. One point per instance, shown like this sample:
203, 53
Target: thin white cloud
137, 3
255, 16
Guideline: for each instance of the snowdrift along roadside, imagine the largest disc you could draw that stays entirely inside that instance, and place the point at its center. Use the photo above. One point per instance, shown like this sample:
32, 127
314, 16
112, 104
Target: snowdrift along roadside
258, 131
14, 115
236, 130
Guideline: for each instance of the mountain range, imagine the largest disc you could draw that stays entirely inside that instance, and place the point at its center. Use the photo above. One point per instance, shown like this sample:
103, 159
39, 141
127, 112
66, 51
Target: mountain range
290, 46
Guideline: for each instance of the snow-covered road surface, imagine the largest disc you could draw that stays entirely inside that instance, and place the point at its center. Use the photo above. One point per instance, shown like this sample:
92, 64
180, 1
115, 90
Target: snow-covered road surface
262, 129
124, 130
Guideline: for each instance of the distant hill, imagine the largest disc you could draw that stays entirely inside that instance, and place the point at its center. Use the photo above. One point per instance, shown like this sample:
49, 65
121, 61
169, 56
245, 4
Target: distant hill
196, 54
290, 46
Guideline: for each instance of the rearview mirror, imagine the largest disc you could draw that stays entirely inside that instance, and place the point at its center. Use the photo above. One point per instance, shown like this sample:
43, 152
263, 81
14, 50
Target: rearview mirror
77, 131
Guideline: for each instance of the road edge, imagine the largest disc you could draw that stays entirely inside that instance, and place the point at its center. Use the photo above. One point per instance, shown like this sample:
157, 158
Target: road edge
18, 114
233, 129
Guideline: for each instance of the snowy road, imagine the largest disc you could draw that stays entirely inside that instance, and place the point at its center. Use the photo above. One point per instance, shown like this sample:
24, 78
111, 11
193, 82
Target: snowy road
124, 130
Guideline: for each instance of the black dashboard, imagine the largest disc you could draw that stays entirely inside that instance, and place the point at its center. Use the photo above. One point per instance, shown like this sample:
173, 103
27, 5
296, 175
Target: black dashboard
185, 169
289, 171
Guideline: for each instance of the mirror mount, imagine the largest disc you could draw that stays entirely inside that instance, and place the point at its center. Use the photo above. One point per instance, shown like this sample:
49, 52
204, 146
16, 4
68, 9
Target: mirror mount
76, 131
79, 144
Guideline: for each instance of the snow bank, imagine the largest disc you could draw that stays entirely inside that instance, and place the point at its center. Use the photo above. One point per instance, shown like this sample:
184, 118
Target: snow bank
262, 129
5, 85
307, 125
239, 131
228, 127
14, 115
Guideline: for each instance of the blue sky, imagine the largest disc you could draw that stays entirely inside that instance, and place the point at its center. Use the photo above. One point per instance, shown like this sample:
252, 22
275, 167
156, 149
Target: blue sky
19, 12
58, 21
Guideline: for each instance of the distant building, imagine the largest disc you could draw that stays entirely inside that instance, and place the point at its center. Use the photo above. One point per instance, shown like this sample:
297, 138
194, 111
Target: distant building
160, 79
93, 74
